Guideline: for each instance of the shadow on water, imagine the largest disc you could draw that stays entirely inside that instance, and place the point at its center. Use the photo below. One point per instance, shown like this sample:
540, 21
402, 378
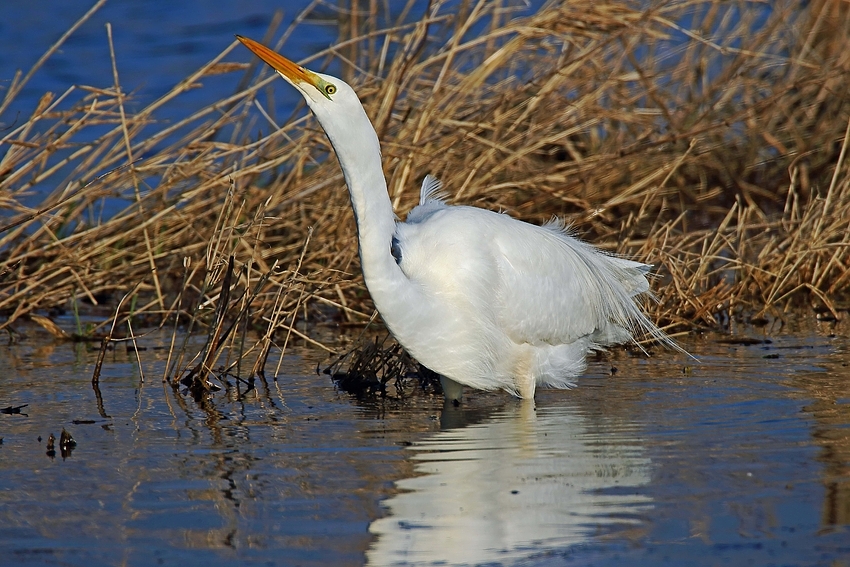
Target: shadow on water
743, 458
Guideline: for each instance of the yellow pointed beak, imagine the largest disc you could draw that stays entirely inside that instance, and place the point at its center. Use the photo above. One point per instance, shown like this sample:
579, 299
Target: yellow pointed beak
281, 64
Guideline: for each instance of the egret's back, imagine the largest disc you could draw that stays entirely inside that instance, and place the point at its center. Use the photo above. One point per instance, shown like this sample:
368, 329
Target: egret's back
509, 304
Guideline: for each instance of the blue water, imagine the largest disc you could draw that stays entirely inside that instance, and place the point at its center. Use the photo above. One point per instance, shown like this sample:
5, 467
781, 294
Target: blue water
156, 44
741, 459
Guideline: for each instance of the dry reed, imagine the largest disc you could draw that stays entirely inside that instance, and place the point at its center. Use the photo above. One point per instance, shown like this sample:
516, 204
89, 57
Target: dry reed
706, 137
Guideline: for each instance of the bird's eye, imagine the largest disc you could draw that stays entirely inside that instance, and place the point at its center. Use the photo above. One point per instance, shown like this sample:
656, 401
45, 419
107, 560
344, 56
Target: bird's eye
330, 89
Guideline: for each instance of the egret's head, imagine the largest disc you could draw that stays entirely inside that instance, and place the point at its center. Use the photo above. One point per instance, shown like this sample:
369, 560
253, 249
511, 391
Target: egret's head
337, 109
319, 90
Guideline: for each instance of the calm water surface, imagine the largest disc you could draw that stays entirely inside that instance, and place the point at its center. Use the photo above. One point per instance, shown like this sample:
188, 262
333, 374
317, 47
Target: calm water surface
743, 458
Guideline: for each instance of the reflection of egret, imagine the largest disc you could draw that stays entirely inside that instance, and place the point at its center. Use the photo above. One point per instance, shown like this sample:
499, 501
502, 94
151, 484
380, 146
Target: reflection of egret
483, 299
512, 487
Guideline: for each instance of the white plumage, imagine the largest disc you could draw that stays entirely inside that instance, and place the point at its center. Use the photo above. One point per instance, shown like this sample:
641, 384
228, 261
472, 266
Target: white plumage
483, 299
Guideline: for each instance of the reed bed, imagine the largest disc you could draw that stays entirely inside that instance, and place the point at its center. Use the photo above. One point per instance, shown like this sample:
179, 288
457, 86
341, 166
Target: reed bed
706, 137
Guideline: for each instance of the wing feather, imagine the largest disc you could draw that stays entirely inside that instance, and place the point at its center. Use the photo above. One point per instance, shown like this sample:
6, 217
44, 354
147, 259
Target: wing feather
431, 190
555, 289
536, 285
431, 199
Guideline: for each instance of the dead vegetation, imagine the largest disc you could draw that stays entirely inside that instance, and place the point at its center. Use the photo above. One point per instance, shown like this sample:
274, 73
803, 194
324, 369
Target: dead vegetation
708, 138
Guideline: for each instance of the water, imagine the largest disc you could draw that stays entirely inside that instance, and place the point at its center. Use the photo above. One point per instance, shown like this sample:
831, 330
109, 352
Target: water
741, 459
156, 45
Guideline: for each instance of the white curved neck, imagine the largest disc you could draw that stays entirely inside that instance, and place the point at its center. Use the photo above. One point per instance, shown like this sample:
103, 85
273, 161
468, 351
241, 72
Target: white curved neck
360, 160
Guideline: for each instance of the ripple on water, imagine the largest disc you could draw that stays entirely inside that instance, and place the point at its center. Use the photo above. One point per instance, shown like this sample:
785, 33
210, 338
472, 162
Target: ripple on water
742, 458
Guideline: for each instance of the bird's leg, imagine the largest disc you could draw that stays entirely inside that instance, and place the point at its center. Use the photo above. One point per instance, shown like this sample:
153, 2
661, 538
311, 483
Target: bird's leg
525, 382
452, 390
526, 388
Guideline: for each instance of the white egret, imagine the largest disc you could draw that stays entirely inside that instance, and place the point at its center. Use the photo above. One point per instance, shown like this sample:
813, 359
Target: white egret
485, 300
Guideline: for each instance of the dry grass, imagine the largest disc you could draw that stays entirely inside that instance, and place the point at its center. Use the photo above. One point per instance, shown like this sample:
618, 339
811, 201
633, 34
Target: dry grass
706, 137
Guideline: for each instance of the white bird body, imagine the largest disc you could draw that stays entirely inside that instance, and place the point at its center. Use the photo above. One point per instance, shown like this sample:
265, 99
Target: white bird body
501, 297
483, 299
